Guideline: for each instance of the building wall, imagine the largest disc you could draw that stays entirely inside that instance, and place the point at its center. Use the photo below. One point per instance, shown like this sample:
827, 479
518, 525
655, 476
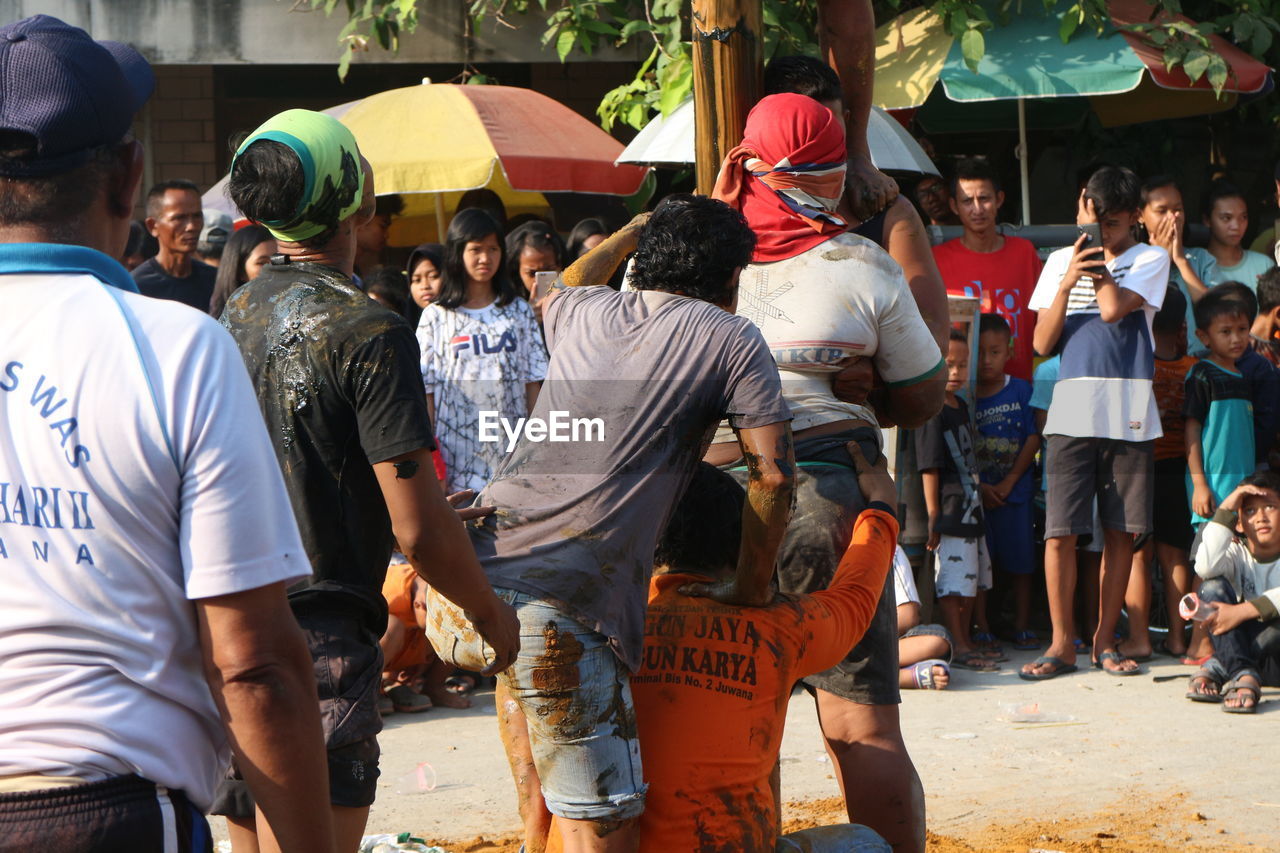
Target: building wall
178, 127
212, 32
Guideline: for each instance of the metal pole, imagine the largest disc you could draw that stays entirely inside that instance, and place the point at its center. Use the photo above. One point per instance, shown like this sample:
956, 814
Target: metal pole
728, 65
1023, 167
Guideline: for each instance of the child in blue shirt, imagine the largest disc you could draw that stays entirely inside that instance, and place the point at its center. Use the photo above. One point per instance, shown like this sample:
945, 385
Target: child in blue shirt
1219, 409
1005, 447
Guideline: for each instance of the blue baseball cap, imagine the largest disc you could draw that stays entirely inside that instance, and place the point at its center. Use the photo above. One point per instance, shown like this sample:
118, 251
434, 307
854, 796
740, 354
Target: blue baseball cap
73, 94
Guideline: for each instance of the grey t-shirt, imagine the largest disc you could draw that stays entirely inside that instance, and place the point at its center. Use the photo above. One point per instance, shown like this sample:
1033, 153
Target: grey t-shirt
577, 520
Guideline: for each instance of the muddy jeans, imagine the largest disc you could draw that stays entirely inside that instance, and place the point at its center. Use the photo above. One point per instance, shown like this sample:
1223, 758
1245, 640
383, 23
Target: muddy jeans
576, 696
1253, 645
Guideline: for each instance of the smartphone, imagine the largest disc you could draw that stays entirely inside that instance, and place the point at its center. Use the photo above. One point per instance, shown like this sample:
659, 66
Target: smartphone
1092, 234
542, 282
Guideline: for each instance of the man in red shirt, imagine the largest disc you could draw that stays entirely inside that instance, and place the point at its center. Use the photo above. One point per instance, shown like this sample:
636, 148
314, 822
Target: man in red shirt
982, 262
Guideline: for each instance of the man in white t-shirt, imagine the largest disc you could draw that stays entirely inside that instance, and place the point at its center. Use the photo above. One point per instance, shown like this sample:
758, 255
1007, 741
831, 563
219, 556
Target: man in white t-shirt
1094, 306
145, 534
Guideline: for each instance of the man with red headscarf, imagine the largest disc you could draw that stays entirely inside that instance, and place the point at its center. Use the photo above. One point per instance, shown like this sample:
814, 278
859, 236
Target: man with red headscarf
824, 300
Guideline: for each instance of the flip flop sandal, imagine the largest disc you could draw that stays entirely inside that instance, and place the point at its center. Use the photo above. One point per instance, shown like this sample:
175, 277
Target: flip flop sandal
1117, 659
1060, 667
1232, 689
1026, 641
406, 701
987, 641
975, 661
1199, 696
922, 673
1190, 661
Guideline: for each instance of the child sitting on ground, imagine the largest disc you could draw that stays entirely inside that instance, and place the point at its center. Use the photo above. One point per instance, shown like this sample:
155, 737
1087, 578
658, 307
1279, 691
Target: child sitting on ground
1006, 447
923, 650
413, 677
1219, 431
1242, 582
944, 454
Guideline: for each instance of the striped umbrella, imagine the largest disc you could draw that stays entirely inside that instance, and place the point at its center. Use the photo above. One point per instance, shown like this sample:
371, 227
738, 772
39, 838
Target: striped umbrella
433, 142
1028, 75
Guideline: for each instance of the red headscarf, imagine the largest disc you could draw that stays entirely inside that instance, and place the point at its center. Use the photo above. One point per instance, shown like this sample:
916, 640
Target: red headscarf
787, 175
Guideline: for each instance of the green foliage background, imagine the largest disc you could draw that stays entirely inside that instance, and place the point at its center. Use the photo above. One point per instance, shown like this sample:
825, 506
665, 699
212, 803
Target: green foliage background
666, 77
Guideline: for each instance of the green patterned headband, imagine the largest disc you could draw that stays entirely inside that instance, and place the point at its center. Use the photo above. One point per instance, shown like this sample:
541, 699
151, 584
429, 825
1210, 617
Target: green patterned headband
334, 181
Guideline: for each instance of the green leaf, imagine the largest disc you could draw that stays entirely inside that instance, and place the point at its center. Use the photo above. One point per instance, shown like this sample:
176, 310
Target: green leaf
1243, 27
1217, 74
630, 28
1261, 41
1196, 63
635, 114
598, 27
1070, 20
564, 43
972, 48
676, 85
344, 63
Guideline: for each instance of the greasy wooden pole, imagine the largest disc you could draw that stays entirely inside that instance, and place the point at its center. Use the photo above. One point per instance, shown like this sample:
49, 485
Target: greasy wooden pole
728, 72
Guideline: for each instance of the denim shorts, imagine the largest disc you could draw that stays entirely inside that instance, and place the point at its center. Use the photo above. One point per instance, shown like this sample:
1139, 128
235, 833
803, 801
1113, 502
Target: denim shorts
576, 696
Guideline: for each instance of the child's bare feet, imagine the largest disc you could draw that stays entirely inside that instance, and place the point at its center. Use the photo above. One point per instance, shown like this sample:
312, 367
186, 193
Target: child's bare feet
1240, 695
1135, 648
1203, 686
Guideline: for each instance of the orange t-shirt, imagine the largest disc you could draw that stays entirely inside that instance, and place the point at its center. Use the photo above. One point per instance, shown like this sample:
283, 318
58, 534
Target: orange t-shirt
711, 695
1169, 387
397, 589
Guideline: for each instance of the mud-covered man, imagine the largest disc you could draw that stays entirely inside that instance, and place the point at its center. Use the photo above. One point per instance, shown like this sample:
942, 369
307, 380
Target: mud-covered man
337, 381
572, 539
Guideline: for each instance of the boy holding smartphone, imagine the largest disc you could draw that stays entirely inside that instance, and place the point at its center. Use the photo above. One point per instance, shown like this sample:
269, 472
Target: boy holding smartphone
1094, 305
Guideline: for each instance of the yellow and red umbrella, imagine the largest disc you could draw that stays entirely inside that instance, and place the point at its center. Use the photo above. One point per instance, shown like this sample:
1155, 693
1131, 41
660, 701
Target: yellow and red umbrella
433, 142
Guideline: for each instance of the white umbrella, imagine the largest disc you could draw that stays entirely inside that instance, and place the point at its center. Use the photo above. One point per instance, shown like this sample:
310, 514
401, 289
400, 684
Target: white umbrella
669, 140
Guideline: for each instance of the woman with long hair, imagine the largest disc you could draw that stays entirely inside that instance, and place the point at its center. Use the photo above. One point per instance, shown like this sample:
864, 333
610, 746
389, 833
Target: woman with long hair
1227, 214
247, 252
482, 351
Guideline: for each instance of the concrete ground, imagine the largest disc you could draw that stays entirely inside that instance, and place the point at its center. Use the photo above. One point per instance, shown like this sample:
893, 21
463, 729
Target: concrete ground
1130, 743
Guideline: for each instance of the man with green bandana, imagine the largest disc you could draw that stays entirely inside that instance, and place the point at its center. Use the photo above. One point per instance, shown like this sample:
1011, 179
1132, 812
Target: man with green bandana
337, 381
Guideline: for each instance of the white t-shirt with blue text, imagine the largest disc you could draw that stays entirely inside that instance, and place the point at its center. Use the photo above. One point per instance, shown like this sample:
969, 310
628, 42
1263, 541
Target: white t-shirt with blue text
135, 477
1104, 387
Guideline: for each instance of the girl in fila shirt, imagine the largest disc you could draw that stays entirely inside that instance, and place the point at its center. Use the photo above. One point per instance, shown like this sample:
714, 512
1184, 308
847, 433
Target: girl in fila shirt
481, 350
